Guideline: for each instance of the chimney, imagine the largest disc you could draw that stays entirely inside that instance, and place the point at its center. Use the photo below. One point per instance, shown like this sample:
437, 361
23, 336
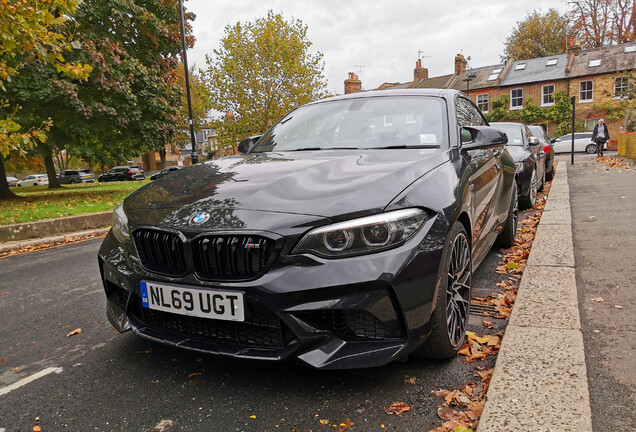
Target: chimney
460, 64
352, 84
573, 50
419, 73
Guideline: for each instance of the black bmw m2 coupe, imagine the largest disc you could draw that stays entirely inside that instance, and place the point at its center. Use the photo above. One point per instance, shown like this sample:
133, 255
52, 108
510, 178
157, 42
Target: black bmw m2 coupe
344, 237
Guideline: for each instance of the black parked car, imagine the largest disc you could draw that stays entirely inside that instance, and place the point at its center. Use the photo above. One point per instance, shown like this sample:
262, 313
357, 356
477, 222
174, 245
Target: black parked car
122, 173
76, 176
529, 157
164, 172
345, 238
548, 148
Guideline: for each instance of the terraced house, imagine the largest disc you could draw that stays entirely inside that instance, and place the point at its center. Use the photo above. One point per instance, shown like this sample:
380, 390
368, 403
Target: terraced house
598, 78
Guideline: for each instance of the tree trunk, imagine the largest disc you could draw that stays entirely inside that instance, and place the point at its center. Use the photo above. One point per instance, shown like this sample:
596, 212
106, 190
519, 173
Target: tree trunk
162, 156
5, 192
47, 154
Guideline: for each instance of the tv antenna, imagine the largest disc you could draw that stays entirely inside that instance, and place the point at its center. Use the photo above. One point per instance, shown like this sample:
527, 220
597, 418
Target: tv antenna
420, 56
359, 69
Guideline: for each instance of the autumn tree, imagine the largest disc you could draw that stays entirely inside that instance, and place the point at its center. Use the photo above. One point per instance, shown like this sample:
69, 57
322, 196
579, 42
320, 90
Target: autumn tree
597, 23
538, 35
129, 104
30, 31
262, 70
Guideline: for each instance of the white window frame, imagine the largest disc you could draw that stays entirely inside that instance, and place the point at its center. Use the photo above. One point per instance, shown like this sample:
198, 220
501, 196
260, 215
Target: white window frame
388, 121
552, 62
594, 63
581, 91
629, 49
624, 86
516, 107
520, 66
410, 118
487, 102
543, 94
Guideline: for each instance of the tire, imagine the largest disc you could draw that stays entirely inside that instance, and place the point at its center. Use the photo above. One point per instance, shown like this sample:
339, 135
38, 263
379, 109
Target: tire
19, 185
506, 237
542, 181
531, 199
71, 182
550, 174
590, 149
454, 283
35, 184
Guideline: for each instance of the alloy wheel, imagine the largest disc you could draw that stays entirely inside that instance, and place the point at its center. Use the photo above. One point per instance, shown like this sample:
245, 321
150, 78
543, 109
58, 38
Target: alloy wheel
534, 186
458, 290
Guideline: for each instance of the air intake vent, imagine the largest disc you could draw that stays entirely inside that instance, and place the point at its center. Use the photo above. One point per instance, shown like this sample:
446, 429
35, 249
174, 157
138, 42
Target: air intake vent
231, 257
160, 251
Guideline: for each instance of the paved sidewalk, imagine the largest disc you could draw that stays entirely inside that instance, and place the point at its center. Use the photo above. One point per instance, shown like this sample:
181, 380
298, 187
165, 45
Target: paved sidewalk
540, 378
603, 202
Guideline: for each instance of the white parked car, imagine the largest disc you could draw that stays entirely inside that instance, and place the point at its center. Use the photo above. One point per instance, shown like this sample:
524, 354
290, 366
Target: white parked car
34, 180
582, 143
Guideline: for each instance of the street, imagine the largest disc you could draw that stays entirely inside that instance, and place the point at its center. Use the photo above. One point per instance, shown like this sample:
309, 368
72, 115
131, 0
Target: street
101, 380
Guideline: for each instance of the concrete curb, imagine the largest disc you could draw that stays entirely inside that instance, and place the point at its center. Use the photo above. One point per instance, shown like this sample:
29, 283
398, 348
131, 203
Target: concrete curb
11, 246
540, 378
51, 227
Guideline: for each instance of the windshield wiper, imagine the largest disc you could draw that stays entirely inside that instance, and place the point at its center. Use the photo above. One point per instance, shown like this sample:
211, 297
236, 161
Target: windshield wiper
403, 146
323, 148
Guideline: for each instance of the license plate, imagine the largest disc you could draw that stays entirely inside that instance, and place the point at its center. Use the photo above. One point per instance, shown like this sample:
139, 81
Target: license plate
215, 304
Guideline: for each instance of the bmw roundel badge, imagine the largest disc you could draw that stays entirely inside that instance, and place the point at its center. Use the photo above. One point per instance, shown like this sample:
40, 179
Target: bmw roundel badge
200, 218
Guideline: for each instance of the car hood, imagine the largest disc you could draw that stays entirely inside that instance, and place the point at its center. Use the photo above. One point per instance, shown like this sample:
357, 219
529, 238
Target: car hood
333, 184
518, 153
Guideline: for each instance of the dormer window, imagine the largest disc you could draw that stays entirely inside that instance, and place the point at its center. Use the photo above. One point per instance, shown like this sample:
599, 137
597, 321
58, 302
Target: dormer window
552, 62
593, 63
629, 48
520, 66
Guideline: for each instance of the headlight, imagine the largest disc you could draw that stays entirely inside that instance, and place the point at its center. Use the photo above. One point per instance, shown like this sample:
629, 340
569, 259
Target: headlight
120, 224
361, 236
519, 166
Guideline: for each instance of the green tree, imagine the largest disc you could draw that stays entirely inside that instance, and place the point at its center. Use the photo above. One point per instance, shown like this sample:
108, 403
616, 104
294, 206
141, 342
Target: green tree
262, 70
538, 35
30, 31
129, 104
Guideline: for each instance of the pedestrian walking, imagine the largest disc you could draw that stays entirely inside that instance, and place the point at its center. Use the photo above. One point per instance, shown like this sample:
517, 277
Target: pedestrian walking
600, 136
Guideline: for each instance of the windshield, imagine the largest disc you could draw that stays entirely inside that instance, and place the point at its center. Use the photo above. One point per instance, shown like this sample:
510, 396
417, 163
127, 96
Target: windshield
512, 131
363, 123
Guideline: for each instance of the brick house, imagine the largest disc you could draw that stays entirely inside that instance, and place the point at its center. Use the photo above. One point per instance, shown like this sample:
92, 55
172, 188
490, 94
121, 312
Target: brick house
596, 77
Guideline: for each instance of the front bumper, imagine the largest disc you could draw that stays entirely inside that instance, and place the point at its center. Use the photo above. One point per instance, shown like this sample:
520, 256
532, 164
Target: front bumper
334, 314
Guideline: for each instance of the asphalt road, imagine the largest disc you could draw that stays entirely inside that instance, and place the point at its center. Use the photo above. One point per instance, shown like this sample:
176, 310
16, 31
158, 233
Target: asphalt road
101, 380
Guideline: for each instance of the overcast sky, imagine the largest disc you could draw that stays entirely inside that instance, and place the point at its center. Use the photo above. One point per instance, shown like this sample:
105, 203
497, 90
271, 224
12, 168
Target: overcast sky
382, 36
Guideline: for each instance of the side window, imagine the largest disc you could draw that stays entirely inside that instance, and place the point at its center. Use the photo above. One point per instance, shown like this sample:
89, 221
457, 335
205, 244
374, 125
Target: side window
467, 115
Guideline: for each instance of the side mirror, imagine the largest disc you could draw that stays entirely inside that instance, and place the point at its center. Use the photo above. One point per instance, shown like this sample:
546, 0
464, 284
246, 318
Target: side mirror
483, 137
247, 144
534, 142
553, 140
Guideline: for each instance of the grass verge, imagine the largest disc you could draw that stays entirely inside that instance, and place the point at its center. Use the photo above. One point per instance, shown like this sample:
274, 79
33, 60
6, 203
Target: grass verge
38, 203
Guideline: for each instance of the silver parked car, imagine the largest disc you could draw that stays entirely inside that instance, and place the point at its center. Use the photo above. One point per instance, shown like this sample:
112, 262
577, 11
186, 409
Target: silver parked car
34, 180
582, 143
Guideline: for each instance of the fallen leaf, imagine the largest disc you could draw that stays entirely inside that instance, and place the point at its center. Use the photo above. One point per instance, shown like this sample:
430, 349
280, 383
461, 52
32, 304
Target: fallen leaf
474, 337
397, 408
465, 351
618, 307
74, 332
598, 299
345, 425
493, 340
6, 292
324, 422
162, 426
252, 416
148, 351
3, 360
194, 374
37, 429
409, 380
512, 266
488, 324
